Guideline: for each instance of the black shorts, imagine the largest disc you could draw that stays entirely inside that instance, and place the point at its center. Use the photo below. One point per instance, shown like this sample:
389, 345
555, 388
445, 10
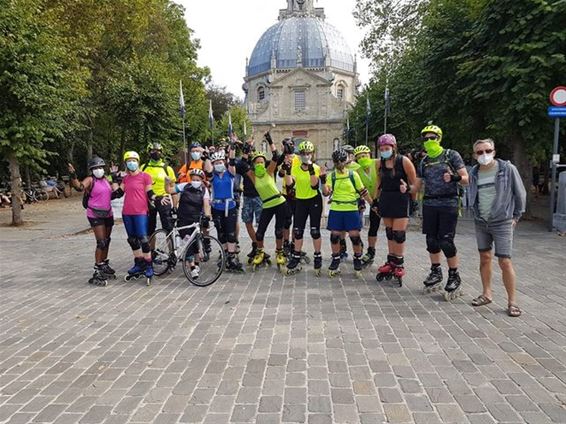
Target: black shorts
439, 221
394, 204
308, 208
107, 222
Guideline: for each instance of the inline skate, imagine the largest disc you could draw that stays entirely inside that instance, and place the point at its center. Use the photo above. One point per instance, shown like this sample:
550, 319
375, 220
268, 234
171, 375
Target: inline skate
453, 288
334, 268
317, 263
433, 281
368, 258
99, 278
293, 266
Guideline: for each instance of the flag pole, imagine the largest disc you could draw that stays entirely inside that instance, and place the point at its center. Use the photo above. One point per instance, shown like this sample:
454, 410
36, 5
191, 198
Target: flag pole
368, 111
182, 111
387, 106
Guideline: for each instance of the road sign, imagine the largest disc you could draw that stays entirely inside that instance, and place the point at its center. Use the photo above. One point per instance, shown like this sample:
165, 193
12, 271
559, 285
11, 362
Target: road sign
557, 112
558, 96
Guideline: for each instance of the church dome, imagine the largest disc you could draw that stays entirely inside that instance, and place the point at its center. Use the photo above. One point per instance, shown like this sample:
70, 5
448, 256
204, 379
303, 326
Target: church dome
307, 41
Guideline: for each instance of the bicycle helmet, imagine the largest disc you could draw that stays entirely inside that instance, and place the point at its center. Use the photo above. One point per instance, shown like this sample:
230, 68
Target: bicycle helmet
339, 155
220, 155
306, 147
258, 154
154, 146
387, 140
96, 162
196, 145
195, 172
432, 129
349, 149
362, 149
131, 155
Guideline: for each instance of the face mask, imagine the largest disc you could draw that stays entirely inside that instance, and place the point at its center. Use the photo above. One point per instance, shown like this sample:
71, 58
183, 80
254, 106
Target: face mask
196, 184
98, 173
155, 155
433, 148
485, 159
195, 155
220, 168
386, 154
132, 165
306, 159
260, 170
365, 162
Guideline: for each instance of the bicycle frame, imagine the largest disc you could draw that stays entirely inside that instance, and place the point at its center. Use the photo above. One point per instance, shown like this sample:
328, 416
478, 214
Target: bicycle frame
175, 232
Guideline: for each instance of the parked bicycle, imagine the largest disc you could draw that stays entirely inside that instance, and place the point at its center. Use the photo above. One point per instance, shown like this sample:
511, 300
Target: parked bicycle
34, 194
202, 256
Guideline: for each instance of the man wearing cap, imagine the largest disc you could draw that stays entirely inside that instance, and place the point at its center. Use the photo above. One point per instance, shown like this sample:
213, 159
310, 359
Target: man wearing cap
161, 176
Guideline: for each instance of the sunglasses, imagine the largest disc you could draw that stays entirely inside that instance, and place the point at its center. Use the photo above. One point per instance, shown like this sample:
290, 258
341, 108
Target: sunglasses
431, 137
481, 152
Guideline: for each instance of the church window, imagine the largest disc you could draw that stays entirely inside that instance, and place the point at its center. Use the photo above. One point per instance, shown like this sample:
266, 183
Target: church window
340, 92
261, 93
299, 100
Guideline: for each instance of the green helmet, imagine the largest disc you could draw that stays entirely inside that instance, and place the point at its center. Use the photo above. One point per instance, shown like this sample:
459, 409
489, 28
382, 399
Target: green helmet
258, 154
306, 147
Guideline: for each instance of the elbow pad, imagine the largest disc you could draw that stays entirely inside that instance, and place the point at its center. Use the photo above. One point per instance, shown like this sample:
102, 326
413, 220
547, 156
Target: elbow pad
151, 194
323, 179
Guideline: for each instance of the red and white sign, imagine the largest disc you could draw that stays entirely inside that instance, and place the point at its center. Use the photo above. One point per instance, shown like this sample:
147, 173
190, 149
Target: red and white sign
558, 96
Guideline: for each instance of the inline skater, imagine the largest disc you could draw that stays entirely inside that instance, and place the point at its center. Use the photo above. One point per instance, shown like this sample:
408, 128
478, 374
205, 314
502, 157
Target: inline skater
397, 178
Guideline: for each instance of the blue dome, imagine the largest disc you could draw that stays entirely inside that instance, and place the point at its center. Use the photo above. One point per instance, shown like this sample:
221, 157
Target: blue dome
316, 40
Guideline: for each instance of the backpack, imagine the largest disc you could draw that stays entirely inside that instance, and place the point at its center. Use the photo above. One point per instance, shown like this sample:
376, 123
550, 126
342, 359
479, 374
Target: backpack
350, 175
164, 166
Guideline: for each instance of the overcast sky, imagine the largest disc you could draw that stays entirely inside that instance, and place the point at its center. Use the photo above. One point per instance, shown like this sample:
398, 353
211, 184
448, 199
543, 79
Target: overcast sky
229, 29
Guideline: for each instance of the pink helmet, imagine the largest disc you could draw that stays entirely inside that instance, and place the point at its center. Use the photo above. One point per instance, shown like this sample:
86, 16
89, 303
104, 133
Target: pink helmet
387, 140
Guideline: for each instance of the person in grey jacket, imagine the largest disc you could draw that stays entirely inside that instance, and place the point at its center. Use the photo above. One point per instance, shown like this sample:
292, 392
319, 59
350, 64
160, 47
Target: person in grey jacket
498, 199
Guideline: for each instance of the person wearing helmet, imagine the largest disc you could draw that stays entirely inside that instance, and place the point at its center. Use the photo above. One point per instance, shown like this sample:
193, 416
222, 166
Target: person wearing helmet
291, 159
397, 179
441, 171
352, 165
262, 176
345, 187
221, 173
137, 187
194, 206
197, 159
369, 173
252, 204
161, 176
96, 200
305, 179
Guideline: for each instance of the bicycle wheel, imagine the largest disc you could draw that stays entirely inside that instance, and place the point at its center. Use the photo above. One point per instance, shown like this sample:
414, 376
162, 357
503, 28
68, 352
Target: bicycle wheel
206, 255
162, 252
42, 195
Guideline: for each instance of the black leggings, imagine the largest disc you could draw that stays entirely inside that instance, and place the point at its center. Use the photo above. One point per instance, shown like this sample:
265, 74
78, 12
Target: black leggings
374, 223
281, 213
291, 204
226, 225
307, 208
164, 215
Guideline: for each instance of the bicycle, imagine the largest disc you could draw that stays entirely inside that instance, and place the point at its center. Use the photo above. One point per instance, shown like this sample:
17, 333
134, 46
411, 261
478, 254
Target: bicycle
202, 256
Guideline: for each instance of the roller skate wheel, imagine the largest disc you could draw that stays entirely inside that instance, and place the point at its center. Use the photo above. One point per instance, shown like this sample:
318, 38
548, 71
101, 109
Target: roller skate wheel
104, 283
317, 272
359, 274
148, 282
127, 278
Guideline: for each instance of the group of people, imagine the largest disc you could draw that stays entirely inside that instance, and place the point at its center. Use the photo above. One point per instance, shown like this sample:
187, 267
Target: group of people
214, 184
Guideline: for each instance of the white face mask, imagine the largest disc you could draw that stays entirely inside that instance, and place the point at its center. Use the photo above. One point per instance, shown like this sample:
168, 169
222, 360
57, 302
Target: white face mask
98, 173
485, 159
196, 184
195, 155
220, 168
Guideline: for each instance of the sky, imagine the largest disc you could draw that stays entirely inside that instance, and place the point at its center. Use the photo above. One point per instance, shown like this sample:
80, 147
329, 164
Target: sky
229, 29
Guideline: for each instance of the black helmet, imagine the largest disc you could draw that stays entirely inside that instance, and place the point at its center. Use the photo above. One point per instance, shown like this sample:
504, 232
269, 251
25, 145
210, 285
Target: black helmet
155, 146
339, 155
96, 162
349, 149
195, 145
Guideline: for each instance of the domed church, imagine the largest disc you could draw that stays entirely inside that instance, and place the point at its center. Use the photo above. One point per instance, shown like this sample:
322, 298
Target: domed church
301, 78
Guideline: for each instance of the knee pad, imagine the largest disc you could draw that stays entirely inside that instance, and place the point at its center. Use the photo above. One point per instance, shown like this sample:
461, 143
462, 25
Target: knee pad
298, 233
134, 243
144, 241
315, 233
278, 233
432, 245
102, 244
231, 238
447, 246
334, 238
399, 236
259, 236
389, 233
356, 240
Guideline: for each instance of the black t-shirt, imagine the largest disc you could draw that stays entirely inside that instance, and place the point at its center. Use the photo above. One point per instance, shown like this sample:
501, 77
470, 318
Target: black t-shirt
242, 168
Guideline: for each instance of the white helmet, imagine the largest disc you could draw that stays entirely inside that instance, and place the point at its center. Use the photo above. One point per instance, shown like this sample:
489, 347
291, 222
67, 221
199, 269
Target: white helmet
218, 156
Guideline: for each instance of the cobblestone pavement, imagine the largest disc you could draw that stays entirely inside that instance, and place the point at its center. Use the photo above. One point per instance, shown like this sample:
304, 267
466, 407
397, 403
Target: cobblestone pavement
265, 348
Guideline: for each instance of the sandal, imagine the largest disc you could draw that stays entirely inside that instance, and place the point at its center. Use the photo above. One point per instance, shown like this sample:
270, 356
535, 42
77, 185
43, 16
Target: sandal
481, 300
513, 311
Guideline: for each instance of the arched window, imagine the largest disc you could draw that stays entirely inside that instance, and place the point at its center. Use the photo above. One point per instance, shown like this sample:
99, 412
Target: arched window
340, 92
261, 93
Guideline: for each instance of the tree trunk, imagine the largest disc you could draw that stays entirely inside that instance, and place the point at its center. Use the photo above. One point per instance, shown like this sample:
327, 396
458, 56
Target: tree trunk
16, 189
522, 162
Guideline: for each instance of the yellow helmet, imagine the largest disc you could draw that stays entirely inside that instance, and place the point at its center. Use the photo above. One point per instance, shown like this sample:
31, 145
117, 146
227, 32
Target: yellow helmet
258, 154
432, 129
361, 149
306, 147
131, 155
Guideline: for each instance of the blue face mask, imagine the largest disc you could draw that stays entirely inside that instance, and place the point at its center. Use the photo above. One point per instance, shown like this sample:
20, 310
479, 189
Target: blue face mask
132, 165
386, 154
